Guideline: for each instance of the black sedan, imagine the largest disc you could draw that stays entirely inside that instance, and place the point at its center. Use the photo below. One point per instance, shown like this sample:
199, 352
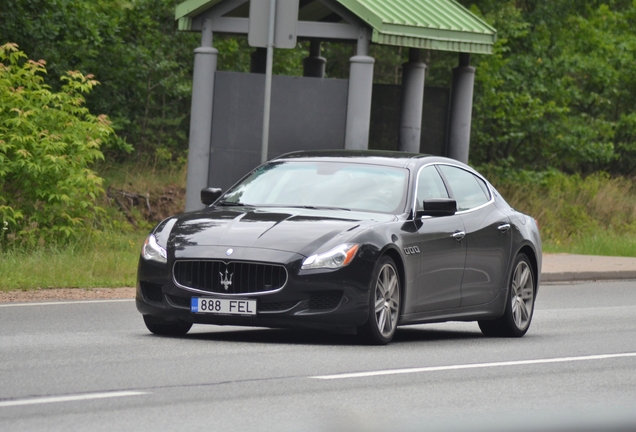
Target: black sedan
345, 241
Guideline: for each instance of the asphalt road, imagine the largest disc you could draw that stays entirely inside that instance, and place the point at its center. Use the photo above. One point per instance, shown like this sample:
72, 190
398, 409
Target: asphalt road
93, 366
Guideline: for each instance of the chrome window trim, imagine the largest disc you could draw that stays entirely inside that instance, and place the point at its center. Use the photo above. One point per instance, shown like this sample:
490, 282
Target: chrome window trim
210, 293
488, 186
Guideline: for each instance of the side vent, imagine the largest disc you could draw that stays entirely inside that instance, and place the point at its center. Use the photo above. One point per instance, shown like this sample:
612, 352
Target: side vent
151, 292
325, 300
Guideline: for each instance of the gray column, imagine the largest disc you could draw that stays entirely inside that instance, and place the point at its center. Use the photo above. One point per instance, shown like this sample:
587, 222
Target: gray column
205, 59
359, 98
314, 65
413, 76
461, 109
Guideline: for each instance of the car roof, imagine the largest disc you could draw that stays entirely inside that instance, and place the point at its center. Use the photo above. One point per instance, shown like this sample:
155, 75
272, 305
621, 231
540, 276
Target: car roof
379, 157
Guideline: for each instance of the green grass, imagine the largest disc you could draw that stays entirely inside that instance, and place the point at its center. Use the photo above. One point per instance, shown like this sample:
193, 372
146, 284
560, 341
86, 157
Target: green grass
593, 215
109, 260
603, 243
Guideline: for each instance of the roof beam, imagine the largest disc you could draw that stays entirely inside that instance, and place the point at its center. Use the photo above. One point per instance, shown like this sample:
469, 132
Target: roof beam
319, 30
306, 29
223, 8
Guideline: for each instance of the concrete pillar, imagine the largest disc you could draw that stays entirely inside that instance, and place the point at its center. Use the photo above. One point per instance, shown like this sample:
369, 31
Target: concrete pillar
314, 65
413, 76
461, 109
205, 60
359, 97
258, 61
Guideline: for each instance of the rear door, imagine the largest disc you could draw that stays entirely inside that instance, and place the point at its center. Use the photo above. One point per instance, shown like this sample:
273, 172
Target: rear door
488, 236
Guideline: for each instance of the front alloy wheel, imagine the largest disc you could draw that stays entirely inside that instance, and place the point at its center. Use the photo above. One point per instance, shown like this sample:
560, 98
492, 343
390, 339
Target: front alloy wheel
384, 304
520, 306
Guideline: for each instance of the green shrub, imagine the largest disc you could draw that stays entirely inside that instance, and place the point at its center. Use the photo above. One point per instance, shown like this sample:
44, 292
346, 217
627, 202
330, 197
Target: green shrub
48, 141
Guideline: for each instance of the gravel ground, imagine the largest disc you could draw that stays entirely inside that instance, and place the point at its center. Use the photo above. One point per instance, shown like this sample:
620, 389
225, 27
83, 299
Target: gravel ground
61, 294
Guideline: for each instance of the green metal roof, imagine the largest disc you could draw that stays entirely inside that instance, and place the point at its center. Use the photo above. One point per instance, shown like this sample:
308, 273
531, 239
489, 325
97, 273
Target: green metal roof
429, 24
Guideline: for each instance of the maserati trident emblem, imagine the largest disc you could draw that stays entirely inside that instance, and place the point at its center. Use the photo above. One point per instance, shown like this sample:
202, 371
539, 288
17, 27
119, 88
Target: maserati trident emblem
229, 252
227, 280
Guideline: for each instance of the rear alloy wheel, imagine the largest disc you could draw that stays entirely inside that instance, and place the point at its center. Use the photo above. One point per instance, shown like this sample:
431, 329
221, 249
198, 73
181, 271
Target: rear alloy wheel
384, 304
163, 327
520, 305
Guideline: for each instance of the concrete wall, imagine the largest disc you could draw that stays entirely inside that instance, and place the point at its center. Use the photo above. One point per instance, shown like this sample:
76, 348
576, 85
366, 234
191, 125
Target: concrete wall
306, 113
385, 119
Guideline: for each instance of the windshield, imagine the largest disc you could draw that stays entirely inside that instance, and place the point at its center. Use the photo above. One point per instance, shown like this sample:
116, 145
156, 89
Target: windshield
339, 185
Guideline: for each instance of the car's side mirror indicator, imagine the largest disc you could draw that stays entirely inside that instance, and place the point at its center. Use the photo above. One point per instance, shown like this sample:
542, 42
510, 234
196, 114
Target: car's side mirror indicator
438, 207
209, 195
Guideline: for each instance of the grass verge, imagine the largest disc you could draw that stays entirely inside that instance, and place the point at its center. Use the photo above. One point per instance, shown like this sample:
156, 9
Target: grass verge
602, 243
108, 260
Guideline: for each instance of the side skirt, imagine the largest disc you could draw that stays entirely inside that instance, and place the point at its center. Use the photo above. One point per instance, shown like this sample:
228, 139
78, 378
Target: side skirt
491, 310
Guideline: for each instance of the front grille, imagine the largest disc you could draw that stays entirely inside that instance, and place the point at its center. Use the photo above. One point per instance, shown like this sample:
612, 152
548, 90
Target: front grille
276, 306
231, 278
180, 301
151, 292
325, 300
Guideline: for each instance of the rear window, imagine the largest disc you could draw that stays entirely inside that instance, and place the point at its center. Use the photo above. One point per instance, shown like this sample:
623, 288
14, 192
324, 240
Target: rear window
468, 190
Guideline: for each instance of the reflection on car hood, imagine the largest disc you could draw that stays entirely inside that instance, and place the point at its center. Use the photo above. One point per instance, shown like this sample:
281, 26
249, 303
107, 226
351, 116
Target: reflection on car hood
299, 231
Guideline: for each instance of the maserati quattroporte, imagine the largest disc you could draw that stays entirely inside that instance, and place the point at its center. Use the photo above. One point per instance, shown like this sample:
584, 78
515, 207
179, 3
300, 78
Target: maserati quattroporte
346, 241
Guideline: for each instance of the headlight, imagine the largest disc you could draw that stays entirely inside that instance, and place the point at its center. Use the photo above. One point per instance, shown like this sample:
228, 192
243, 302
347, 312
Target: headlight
337, 257
151, 250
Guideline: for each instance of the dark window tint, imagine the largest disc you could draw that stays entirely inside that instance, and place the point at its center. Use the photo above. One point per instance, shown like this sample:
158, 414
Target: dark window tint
468, 190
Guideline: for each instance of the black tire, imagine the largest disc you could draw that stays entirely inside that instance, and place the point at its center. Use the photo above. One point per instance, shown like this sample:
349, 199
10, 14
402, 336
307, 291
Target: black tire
517, 317
384, 304
163, 327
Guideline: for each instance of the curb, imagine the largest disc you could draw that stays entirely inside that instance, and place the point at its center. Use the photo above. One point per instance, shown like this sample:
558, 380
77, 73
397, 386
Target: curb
587, 276
576, 268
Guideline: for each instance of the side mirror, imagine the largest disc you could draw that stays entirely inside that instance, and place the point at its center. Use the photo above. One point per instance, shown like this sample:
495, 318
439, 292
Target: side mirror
437, 207
209, 195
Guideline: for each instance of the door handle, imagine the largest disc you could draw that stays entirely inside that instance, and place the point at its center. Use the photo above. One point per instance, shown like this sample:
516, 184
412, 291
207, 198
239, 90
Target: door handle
458, 235
504, 227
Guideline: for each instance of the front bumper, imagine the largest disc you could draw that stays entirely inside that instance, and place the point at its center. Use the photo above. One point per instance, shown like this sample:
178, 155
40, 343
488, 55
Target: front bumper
320, 299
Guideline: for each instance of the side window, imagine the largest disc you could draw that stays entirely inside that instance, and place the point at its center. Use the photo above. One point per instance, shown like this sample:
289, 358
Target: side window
469, 191
430, 185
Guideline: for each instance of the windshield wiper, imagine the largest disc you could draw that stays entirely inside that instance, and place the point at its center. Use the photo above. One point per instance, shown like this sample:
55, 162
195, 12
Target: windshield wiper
231, 204
316, 207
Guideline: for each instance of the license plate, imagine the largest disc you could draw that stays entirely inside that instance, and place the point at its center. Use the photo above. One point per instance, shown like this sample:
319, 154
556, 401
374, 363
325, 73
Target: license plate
223, 306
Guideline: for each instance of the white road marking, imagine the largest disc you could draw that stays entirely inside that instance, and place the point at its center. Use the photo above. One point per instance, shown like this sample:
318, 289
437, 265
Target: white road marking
472, 366
72, 398
64, 302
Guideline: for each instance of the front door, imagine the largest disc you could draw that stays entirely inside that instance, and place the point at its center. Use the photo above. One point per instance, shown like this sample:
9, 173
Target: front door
442, 249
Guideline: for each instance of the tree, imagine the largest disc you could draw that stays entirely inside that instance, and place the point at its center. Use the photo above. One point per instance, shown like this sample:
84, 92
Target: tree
559, 90
48, 141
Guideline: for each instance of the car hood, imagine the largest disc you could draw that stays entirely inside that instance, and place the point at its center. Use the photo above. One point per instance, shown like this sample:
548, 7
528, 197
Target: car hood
303, 231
